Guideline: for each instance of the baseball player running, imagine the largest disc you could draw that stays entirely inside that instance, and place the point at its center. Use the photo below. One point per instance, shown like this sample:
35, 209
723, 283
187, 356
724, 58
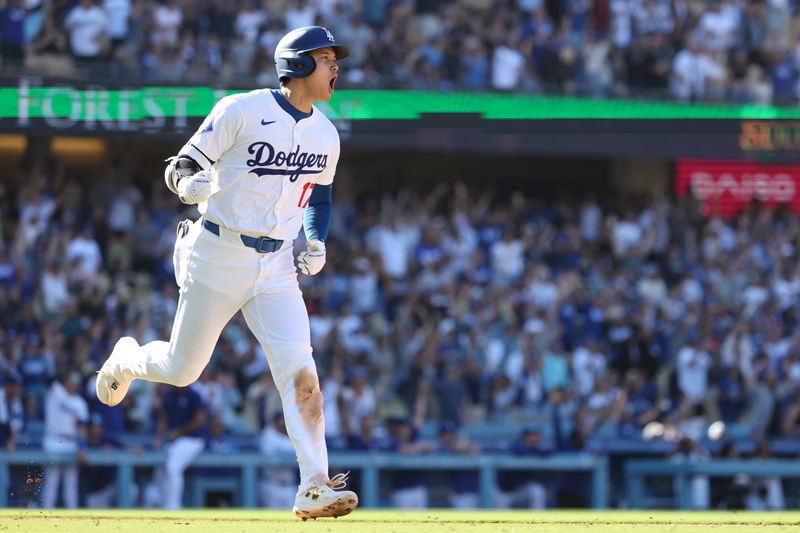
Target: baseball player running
260, 166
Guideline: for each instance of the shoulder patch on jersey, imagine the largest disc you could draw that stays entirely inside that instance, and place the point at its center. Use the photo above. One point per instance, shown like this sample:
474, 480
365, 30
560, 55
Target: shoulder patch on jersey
208, 128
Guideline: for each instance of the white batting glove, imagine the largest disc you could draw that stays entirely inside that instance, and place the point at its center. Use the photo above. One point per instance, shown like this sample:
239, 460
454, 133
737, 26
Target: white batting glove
196, 188
312, 261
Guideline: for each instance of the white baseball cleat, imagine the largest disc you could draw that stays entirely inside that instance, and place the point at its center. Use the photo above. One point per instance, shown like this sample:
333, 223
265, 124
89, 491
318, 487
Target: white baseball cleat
325, 501
110, 386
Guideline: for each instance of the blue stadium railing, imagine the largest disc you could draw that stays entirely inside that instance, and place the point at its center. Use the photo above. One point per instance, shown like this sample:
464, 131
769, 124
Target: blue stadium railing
637, 470
370, 465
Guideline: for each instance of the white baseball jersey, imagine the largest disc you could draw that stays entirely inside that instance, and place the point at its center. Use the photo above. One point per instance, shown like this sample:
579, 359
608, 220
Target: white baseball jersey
63, 413
267, 156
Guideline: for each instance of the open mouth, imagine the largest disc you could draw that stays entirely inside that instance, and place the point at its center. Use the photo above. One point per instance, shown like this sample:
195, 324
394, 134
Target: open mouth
332, 82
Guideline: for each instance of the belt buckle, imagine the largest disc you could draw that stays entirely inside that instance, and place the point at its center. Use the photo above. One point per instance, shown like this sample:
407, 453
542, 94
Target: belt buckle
264, 245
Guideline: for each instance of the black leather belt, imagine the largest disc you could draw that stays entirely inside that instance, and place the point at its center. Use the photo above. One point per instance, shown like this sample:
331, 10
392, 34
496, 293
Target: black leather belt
263, 245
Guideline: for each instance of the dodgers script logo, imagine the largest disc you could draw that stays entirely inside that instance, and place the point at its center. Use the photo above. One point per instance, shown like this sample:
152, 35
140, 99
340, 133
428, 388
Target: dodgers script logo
265, 159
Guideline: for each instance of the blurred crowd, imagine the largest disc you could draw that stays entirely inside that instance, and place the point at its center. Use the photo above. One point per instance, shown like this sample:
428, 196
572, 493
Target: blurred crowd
745, 51
549, 322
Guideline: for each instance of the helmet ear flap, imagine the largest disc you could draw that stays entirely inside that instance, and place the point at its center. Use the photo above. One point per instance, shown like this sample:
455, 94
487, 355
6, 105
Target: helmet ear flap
310, 64
307, 66
298, 66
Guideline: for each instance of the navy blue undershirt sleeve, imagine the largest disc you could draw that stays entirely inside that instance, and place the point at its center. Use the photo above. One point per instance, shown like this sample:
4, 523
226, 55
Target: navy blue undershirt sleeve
317, 218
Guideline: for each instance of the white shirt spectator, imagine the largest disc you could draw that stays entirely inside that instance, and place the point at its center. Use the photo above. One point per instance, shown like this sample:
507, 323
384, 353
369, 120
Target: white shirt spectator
411, 230
87, 27
508, 260
393, 251
302, 14
86, 251
348, 324
719, 28
12, 413
726, 234
248, 23
62, 414
654, 16
122, 214
587, 366
600, 399
167, 19
621, 22
507, 66
326, 8
542, 292
117, 12
691, 70
460, 247
358, 36
321, 328
364, 286
754, 297
693, 365
597, 64
591, 221
532, 389
273, 442
652, 289
34, 218
515, 362
786, 291
37, 211
269, 40
359, 404
797, 60
211, 391
495, 352
738, 349
55, 289
330, 408
777, 349
626, 234
691, 290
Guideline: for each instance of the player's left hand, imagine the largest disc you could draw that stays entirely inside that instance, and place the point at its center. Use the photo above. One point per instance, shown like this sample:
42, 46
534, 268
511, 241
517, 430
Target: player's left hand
311, 262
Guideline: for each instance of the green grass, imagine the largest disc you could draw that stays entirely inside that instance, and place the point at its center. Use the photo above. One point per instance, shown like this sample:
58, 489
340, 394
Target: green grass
391, 521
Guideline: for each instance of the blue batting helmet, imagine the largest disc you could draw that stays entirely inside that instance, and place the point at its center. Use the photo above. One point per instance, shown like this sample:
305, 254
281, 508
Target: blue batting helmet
291, 53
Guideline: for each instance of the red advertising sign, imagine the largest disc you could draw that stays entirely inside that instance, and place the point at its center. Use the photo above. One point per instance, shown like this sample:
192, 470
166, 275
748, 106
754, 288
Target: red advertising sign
727, 187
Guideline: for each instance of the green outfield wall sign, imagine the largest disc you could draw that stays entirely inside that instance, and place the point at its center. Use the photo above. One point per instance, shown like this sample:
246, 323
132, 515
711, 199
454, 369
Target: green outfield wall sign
63, 105
492, 122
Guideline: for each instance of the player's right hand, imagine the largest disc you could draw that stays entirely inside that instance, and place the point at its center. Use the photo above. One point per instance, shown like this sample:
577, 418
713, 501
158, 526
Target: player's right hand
196, 189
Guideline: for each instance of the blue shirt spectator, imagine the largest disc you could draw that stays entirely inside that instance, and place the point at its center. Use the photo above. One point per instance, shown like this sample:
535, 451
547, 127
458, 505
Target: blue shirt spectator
182, 407
12, 33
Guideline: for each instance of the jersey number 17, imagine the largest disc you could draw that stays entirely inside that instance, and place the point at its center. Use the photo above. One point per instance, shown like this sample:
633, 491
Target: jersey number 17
303, 202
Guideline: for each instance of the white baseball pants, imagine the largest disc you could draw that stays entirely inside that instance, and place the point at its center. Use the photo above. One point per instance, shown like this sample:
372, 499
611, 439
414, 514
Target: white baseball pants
64, 475
411, 498
103, 498
464, 500
106, 498
531, 496
221, 277
276, 495
180, 453
53, 477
